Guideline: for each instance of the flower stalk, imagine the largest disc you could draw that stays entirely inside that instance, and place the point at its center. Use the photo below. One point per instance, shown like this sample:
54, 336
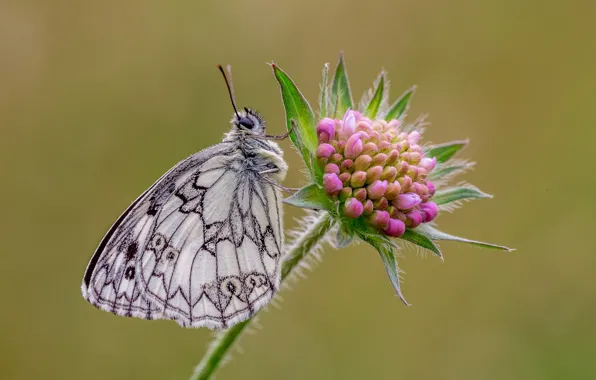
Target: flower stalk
296, 252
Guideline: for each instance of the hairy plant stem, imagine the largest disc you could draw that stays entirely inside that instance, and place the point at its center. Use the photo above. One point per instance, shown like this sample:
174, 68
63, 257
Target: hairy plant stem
297, 251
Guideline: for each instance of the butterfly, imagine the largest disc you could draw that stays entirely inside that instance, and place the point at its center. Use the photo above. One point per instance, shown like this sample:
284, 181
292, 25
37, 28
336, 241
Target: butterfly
202, 245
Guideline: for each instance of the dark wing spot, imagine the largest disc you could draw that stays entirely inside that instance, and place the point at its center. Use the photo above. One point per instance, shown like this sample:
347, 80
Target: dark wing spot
131, 251
130, 273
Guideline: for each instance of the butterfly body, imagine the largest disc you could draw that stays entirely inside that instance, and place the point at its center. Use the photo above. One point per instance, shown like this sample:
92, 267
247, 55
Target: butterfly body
202, 245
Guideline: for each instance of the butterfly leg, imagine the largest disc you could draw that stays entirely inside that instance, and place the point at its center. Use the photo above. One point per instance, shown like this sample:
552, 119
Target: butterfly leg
272, 182
278, 137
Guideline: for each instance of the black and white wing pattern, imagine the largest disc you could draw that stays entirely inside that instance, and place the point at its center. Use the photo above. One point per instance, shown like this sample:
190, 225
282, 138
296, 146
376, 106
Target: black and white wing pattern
202, 246
212, 257
110, 278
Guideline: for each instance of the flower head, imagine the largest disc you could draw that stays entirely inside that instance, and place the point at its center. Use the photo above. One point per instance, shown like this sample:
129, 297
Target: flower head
371, 173
386, 161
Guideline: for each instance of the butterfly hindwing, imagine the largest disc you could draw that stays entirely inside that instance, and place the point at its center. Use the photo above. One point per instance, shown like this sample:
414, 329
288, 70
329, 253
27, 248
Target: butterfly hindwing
212, 257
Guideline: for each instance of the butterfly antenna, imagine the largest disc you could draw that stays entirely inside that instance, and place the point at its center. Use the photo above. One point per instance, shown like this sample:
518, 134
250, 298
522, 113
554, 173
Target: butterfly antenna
229, 84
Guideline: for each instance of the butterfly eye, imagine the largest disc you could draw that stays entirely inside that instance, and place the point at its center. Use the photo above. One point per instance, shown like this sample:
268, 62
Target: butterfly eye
246, 123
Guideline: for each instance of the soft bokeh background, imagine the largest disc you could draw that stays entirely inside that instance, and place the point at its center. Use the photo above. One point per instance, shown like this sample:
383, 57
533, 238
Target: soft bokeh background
99, 98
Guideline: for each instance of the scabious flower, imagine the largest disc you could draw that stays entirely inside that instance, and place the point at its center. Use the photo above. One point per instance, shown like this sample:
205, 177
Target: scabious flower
386, 161
372, 174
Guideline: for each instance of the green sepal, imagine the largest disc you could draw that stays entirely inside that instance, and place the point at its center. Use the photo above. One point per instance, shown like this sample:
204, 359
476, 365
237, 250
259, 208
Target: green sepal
324, 95
453, 194
386, 250
374, 104
421, 240
341, 95
311, 196
434, 234
298, 109
398, 109
444, 152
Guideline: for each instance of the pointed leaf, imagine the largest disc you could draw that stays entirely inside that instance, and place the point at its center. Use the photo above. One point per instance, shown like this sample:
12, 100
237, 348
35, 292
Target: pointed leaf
420, 240
458, 193
298, 109
324, 96
398, 109
387, 252
449, 169
312, 197
444, 152
434, 234
375, 102
341, 94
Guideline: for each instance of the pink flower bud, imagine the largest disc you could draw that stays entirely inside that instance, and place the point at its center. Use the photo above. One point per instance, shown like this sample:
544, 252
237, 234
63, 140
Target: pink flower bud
326, 130
413, 172
347, 165
393, 190
345, 193
407, 201
354, 145
402, 167
376, 189
381, 203
384, 145
364, 127
405, 183
345, 178
349, 124
353, 208
332, 183
428, 163
374, 136
389, 173
414, 137
415, 157
393, 212
394, 123
368, 207
392, 157
325, 150
380, 219
431, 188
360, 194
336, 158
415, 218
369, 148
373, 174
332, 168
358, 179
396, 228
430, 209
362, 162
379, 159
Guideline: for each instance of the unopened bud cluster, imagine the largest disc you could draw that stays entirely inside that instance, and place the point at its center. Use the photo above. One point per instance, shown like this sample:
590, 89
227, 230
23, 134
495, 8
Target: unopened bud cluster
376, 172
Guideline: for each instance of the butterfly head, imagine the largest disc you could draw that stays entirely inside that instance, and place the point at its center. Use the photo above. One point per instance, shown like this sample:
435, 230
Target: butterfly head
248, 121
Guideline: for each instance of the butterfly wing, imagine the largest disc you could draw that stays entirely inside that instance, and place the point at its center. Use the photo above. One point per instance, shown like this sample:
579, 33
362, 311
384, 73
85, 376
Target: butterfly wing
212, 257
110, 281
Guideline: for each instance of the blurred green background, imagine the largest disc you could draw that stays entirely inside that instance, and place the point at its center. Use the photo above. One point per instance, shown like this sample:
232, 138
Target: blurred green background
99, 98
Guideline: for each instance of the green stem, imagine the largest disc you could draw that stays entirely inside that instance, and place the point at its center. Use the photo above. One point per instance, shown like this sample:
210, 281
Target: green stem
296, 252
